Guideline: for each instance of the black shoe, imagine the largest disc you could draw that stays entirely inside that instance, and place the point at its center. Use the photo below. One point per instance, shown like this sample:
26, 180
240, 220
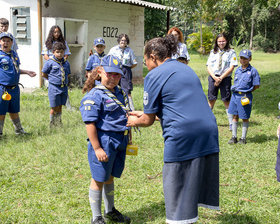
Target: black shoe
242, 141
116, 216
98, 220
233, 140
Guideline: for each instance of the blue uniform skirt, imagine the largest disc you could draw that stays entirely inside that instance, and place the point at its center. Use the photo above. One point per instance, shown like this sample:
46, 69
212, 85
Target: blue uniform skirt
277, 167
189, 184
126, 80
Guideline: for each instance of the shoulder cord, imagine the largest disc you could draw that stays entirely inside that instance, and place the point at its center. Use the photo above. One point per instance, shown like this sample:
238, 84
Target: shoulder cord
61, 69
112, 96
14, 61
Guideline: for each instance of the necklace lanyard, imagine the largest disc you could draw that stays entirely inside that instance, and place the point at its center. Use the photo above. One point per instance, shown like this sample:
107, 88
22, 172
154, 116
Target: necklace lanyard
112, 96
61, 69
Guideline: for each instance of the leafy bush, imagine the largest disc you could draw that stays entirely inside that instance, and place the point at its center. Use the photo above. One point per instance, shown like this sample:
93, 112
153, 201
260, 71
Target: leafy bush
193, 41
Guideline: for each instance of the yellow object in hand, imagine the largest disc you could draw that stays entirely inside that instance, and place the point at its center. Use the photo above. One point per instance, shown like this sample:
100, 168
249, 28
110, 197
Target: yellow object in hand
6, 96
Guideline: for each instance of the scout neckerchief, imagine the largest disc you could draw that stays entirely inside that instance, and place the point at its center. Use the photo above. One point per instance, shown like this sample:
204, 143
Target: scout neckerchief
112, 96
100, 56
220, 59
13, 59
61, 69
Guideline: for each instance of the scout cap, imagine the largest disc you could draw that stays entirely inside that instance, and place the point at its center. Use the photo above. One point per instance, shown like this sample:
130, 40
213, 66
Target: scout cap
6, 34
111, 63
245, 53
99, 41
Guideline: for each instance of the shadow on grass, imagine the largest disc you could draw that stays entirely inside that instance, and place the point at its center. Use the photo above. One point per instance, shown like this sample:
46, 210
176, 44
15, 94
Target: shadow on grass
148, 213
237, 219
262, 138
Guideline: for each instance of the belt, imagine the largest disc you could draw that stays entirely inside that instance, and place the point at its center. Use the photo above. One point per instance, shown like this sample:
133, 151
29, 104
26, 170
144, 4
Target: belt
241, 92
9, 87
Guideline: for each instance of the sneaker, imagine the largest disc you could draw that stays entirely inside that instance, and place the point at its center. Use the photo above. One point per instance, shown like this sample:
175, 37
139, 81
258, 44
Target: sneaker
116, 216
242, 141
20, 132
98, 220
233, 140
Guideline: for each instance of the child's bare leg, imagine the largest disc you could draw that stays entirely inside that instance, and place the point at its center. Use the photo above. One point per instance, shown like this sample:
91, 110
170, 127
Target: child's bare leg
211, 103
2, 119
17, 124
95, 198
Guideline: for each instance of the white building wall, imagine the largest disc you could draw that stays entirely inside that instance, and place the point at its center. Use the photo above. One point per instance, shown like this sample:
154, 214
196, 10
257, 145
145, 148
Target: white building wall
28, 54
104, 16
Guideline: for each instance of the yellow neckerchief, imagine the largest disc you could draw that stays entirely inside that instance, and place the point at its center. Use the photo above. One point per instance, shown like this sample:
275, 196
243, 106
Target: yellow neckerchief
61, 69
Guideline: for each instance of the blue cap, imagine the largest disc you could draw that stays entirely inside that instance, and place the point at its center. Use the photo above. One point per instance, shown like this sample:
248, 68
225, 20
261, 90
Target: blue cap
99, 41
6, 34
111, 63
245, 53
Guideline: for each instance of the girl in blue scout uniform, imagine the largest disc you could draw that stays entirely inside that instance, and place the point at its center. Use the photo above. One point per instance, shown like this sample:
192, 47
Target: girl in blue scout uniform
57, 70
9, 80
4, 26
246, 80
126, 55
95, 59
55, 35
182, 54
104, 110
220, 65
191, 146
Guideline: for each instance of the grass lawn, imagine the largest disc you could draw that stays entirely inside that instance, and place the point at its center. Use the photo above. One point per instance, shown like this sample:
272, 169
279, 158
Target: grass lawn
44, 177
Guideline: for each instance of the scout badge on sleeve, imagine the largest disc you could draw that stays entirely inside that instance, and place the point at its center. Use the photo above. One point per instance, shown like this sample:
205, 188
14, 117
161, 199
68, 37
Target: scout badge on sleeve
6, 96
245, 100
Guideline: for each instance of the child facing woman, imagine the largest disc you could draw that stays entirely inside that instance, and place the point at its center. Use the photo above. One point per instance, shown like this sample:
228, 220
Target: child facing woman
182, 54
246, 80
220, 65
57, 70
104, 111
9, 80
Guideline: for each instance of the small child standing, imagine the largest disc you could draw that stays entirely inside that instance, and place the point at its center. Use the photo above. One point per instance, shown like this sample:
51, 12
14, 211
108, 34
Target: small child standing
246, 80
4, 26
95, 59
104, 111
9, 80
57, 70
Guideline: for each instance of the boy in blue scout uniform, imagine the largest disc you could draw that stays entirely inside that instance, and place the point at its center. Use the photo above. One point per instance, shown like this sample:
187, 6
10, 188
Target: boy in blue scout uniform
95, 59
9, 80
104, 111
57, 70
246, 80
4, 26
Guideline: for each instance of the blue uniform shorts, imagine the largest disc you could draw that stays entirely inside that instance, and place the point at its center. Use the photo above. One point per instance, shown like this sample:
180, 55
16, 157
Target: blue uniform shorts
126, 80
114, 144
13, 105
57, 95
224, 87
236, 108
188, 185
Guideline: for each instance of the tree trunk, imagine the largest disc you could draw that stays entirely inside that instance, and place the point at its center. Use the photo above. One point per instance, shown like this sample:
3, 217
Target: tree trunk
252, 24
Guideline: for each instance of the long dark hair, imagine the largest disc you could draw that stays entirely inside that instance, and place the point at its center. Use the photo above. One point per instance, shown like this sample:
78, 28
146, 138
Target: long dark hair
216, 47
90, 82
50, 39
161, 47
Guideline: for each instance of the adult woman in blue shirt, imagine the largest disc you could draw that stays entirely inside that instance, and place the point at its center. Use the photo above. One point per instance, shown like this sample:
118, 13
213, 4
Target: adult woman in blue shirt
191, 159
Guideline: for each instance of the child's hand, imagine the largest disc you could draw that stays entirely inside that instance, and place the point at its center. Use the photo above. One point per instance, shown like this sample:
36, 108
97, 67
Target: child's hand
131, 121
136, 113
101, 155
31, 73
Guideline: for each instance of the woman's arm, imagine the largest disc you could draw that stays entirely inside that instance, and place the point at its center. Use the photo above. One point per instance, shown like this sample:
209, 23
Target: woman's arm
30, 73
227, 72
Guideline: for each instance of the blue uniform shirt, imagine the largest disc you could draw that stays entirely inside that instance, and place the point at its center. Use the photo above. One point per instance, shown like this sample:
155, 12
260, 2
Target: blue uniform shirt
54, 68
182, 52
50, 52
126, 55
189, 126
94, 61
9, 68
245, 79
98, 107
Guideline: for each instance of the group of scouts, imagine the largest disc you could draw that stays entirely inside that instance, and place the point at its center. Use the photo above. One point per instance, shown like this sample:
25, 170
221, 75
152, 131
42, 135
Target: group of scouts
106, 111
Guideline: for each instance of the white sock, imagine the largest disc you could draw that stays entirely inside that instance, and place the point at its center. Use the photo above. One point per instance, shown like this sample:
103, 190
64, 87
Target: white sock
95, 199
